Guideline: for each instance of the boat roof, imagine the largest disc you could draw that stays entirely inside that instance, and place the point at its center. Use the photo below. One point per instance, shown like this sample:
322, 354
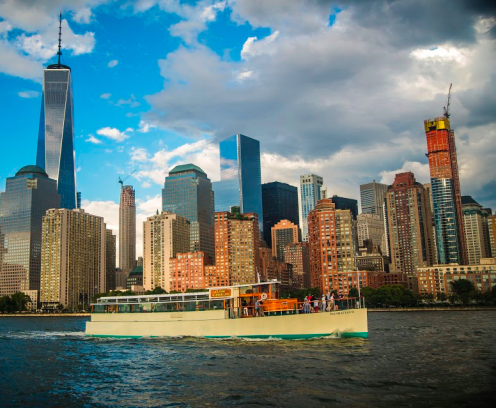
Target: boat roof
245, 285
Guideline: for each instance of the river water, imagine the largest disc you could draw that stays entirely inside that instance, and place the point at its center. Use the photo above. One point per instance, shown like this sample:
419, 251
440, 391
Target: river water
411, 359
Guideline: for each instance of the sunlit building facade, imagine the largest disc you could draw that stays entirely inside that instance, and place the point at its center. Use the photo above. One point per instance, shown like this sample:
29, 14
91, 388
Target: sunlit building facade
164, 236
372, 196
476, 230
127, 229
27, 197
188, 192
409, 218
73, 261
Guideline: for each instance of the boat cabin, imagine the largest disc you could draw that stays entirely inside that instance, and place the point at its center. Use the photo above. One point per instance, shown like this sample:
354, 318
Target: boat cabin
239, 301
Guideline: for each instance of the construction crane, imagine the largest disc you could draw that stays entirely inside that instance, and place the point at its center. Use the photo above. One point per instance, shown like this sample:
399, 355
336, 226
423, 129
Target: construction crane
446, 108
121, 181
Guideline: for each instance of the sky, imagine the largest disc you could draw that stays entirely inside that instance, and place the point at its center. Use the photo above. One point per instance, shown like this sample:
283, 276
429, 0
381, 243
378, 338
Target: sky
336, 88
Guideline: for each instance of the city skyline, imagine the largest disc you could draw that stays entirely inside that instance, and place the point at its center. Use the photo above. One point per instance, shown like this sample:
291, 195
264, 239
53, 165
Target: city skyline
122, 121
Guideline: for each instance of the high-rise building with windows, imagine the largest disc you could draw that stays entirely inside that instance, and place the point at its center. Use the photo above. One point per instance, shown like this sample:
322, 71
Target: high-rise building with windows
27, 197
164, 236
237, 240
73, 261
476, 230
491, 223
110, 248
283, 233
188, 192
343, 203
370, 228
280, 202
372, 196
330, 239
297, 255
55, 153
446, 194
127, 229
310, 190
240, 182
410, 230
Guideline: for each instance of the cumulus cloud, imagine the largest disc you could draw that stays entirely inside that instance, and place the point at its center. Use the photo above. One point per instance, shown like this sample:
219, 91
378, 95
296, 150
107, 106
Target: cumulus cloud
113, 133
154, 167
105, 95
109, 210
315, 93
113, 63
131, 102
94, 140
28, 94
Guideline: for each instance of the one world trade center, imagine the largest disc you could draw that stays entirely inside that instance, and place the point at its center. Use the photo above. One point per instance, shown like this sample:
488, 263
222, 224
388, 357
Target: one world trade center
55, 151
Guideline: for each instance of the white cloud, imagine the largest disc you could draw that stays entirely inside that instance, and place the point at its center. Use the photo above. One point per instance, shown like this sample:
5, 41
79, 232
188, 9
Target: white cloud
15, 64
5, 27
105, 95
113, 63
113, 133
154, 169
145, 127
28, 94
94, 140
83, 15
420, 170
253, 46
132, 102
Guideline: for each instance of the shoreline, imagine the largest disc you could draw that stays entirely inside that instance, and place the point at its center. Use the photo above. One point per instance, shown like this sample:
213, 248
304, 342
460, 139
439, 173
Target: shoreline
372, 310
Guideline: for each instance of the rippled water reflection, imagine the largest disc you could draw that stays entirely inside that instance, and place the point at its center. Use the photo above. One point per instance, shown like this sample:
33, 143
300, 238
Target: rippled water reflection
423, 359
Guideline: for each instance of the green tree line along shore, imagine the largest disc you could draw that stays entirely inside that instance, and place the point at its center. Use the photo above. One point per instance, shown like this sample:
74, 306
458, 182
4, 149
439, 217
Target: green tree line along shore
463, 293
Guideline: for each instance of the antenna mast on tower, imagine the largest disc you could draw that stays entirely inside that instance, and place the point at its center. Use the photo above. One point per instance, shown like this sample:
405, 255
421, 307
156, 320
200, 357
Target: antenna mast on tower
60, 36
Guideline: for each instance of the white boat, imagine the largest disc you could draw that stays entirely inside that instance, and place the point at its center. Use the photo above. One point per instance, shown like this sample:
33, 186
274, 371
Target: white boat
244, 311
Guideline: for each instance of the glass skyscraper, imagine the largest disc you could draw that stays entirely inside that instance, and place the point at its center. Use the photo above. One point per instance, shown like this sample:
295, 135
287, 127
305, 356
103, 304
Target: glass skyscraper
55, 151
188, 192
240, 176
27, 197
310, 185
280, 202
372, 196
446, 194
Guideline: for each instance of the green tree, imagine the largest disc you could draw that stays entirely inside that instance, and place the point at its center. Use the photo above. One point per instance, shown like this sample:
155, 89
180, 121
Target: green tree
156, 291
60, 307
353, 292
464, 289
19, 301
442, 297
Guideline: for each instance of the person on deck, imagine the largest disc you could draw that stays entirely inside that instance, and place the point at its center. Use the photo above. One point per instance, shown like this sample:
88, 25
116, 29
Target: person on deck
324, 302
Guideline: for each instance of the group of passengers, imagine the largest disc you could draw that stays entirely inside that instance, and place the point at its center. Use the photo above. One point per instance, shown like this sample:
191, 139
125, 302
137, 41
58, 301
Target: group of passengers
328, 303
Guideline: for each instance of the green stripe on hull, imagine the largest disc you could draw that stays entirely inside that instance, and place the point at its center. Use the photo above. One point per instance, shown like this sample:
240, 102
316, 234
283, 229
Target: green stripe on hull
362, 335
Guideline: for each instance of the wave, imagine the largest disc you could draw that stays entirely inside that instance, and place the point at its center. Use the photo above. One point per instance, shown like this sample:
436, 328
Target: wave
37, 334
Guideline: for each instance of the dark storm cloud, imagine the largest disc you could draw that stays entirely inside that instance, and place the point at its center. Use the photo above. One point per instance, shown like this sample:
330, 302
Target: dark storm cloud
481, 104
422, 22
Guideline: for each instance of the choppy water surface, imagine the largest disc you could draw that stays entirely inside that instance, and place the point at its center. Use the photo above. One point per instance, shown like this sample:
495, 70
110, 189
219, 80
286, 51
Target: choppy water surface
428, 359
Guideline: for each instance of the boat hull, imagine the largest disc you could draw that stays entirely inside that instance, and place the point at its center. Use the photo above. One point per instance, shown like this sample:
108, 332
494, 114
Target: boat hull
215, 324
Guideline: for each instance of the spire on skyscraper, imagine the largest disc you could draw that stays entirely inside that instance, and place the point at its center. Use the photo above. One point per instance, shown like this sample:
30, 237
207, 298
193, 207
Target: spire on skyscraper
60, 36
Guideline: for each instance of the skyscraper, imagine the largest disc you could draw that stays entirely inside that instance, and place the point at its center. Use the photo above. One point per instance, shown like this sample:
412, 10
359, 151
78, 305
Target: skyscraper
74, 266
491, 223
164, 236
237, 240
409, 218
310, 185
55, 151
110, 261
330, 242
476, 230
343, 203
297, 255
27, 197
283, 233
446, 195
240, 176
127, 229
372, 196
371, 229
280, 202
188, 192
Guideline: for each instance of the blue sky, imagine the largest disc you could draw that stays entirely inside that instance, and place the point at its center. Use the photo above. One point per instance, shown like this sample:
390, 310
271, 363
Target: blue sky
338, 88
